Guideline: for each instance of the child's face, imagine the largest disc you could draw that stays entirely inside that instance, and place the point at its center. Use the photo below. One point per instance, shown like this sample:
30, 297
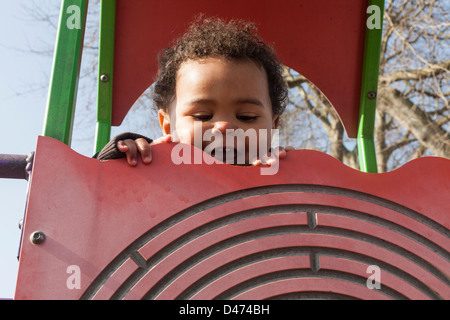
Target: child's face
220, 94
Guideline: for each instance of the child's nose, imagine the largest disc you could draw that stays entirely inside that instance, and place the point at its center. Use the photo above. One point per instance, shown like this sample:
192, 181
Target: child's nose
222, 126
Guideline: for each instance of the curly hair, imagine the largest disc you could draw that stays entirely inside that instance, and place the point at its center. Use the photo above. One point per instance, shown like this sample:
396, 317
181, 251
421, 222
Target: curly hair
209, 37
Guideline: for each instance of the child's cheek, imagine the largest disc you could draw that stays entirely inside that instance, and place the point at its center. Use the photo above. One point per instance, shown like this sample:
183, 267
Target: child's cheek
186, 134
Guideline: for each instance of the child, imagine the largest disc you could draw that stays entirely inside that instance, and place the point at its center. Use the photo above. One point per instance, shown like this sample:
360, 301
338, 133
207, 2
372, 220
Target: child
217, 78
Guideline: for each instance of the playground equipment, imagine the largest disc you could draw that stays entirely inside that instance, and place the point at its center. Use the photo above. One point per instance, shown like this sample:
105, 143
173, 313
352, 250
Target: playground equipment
316, 229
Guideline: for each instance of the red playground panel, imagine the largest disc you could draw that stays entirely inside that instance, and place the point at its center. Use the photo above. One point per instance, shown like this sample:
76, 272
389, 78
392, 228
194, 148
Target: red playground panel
315, 229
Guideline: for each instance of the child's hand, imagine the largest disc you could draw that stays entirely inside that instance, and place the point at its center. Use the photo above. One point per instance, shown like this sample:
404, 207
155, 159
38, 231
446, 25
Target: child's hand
280, 151
140, 146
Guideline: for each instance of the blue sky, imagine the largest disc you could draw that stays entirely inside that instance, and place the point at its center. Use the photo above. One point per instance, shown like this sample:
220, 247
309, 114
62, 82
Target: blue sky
22, 110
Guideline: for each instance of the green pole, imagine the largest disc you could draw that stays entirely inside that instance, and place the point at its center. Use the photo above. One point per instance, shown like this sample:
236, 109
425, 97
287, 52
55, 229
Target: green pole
65, 71
369, 88
105, 73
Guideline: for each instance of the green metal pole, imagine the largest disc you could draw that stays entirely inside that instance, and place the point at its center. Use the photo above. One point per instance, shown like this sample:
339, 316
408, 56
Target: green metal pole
65, 72
105, 75
369, 88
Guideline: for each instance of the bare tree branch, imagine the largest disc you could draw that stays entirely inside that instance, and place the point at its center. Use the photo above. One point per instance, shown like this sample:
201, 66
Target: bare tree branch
410, 116
417, 74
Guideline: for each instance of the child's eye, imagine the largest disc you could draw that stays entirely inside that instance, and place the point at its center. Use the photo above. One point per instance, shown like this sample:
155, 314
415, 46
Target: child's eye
246, 118
202, 117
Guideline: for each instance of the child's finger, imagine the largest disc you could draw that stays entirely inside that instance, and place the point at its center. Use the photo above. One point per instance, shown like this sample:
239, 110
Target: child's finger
263, 162
143, 147
128, 146
256, 162
282, 152
279, 152
164, 139
122, 146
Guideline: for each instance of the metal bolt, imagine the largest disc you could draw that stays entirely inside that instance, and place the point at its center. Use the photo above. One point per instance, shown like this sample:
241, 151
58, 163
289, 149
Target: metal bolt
104, 78
372, 95
37, 237
20, 224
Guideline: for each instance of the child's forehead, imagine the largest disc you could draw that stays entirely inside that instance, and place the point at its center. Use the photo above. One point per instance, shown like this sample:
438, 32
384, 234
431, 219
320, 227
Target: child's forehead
226, 62
212, 70
239, 75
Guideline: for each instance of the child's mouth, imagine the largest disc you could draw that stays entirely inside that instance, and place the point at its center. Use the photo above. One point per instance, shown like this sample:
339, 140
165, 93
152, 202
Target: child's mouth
228, 155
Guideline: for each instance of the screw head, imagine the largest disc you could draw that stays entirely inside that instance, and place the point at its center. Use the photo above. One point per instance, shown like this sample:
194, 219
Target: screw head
104, 78
371, 95
37, 237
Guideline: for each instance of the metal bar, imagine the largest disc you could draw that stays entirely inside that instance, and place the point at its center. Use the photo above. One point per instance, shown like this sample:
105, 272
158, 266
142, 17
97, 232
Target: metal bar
369, 88
65, 72
105, 73
13, 166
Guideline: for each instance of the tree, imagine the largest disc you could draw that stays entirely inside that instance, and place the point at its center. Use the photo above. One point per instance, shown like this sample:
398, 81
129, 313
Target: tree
414, 88
413, 112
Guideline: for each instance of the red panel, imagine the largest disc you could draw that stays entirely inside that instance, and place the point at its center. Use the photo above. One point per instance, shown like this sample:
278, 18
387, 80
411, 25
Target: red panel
311, 285
234, 278
397, 284
321, 39
230, 232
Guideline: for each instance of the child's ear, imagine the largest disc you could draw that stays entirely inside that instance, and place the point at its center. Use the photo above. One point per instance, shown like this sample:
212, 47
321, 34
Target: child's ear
164, 121
275, 121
